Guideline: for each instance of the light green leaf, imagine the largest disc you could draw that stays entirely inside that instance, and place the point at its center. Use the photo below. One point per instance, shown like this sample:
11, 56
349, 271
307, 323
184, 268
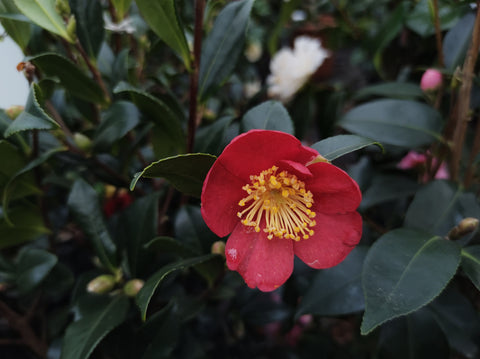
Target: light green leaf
269, 115
185, 172
397, 122
44, 14
83, 336
404, 270
17, 29
337, 146
146, 293
223, 46
162, 17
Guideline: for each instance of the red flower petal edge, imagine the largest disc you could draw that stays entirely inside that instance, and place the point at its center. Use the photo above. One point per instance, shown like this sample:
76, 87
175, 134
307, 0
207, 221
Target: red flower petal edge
266, 191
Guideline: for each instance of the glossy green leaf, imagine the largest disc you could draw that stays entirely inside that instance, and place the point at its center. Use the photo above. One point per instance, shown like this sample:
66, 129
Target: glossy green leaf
33, 266
169, 245
89, 24
19, 31
337, 146
387, 188
71, 77
144, 296
116, 122
391, 25
459, 320
212, 138
191, 229
337, 290
400, 263
185, 172
269, 115
33, 117
121, 7
162, 18
398, 90
397, 122
413, 337
27, 225
457, 40
440, 206
166, 119
471, 263
83, 336
223, 45
83, 202
44, 14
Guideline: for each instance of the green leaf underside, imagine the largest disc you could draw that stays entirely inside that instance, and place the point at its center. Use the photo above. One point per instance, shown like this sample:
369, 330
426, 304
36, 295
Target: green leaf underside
44, 14
471, 263
162, 18
397, 122
386, 188
405, 270
146, 293
83, 336
337, 146
399, 90
270, 115
186, 172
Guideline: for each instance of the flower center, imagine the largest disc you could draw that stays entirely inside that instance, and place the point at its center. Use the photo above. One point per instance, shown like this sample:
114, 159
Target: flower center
282, 201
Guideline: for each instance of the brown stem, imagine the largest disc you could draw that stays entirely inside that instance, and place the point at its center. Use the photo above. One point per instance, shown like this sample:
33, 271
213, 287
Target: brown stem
197, 47
117, 40
438, 34
473, 154
464, 114
21, 325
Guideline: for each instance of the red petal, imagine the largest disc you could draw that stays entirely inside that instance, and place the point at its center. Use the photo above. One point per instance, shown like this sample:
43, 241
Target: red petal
334, 191
295, 168
220, 195
262, 263
258, 150
335, 236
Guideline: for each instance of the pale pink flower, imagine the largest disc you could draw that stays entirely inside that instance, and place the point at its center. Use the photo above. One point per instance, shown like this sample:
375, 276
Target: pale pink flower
431, 80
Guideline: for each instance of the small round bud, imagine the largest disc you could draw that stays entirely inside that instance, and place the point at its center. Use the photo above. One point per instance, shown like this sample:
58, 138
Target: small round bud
254, 51
101, 284
82, 142
218, 248
14, 111
133, 286
466, 226
62, 7
431, 80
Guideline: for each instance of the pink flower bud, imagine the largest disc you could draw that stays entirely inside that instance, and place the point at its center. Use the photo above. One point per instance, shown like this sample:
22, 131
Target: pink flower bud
431, 80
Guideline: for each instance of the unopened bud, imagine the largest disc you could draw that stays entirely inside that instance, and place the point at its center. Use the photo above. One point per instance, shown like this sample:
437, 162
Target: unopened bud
102, 284
72, 27
466, 226
133, 286
218, 247
431, 80
62, 7
14, 111
82, 142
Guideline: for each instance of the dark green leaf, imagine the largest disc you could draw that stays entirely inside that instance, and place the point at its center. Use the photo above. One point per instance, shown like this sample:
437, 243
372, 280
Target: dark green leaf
33, 117
440, 206
146, 293
169, 245
223, 46
44, 14
471, 263
456, 41
71, 77
386, 188
337, 290
33, 266
162, 18
19, 31
167, 120
83, 336
117, 121
185, 172
192, 230
391, 26
400, 263
211, 138
84, 204
89, 20
337, 146
399, 90
270, 115
397, 122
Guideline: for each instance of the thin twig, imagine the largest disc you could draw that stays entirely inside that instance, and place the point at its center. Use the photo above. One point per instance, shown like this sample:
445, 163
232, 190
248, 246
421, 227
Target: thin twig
438, 34
473, 154
197, 47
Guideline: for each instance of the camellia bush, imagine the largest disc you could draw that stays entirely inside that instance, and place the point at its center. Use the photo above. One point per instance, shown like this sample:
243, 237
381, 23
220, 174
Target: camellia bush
241, 179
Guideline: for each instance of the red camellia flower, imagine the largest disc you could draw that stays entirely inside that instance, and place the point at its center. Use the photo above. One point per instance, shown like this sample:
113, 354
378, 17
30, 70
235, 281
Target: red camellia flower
278, 198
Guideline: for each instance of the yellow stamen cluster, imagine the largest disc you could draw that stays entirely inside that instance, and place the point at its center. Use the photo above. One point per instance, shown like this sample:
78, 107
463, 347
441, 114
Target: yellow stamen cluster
282, 201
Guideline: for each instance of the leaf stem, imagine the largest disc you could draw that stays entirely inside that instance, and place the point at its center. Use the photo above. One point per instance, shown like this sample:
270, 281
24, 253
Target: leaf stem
197, 47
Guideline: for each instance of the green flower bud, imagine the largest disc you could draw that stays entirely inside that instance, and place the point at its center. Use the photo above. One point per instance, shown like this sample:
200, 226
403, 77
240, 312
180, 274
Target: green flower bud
102, 284
133, 286
82, 142
218, 247
72, 27
14, 111
62, 7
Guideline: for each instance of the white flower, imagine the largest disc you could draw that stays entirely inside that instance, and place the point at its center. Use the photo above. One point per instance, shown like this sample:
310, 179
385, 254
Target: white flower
291, 69
250, 89
126, 25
